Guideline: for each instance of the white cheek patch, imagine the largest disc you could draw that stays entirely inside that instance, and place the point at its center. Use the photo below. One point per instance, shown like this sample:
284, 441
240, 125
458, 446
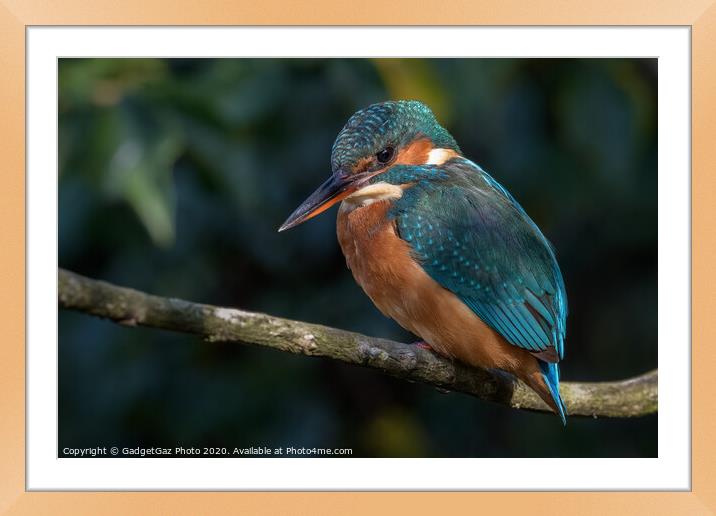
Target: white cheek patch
439, 156
373, 193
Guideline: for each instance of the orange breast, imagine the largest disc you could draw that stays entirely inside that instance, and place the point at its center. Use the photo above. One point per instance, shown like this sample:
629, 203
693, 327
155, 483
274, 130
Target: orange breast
382, 265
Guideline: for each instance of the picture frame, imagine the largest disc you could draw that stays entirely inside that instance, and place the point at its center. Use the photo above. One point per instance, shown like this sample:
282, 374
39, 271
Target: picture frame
13, 496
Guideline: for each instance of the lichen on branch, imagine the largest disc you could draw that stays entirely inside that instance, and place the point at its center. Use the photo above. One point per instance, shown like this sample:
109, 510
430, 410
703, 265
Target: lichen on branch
625, 398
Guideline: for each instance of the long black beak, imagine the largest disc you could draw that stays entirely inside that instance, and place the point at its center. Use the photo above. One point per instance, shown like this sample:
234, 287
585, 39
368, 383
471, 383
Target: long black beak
339, 186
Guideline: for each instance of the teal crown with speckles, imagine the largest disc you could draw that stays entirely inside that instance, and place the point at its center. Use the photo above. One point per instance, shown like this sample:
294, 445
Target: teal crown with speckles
392, 123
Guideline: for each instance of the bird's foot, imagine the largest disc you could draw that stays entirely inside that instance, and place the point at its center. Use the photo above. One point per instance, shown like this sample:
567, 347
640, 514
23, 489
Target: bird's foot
423, 345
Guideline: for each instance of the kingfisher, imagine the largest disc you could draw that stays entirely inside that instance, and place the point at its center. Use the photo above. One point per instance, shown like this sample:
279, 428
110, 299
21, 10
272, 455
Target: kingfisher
442, 248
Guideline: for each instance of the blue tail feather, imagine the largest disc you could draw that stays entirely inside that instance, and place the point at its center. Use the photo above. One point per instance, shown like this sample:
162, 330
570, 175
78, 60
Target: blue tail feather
550, 372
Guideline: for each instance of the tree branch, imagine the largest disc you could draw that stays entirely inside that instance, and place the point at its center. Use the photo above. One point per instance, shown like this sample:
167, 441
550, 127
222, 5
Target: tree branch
626, 398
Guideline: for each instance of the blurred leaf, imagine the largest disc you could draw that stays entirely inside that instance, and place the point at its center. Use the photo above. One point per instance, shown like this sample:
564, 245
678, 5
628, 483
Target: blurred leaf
104, 82
142, 175
415, 79
396, 433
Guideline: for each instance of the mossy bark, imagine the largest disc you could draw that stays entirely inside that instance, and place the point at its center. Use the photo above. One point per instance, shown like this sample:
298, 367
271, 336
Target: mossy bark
625, 398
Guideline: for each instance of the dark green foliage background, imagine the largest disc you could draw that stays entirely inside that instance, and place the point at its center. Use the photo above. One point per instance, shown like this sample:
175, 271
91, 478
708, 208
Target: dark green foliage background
175, 174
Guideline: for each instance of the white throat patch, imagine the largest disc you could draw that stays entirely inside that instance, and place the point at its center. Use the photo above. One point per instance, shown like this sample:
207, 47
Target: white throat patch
372, 193
439, 156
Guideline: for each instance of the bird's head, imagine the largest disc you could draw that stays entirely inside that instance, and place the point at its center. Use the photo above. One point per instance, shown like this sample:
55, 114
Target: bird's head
375, 139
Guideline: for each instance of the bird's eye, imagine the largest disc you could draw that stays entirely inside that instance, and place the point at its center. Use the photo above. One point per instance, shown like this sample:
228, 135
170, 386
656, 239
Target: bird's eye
385, 155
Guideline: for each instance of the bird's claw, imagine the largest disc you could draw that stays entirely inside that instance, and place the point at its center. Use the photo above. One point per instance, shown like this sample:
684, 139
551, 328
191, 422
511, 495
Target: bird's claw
423, 345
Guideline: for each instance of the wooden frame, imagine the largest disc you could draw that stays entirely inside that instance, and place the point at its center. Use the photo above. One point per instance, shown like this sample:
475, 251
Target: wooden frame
16, 16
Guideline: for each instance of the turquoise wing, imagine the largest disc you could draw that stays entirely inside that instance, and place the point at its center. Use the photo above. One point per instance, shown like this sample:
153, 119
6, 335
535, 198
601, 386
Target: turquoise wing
474, 239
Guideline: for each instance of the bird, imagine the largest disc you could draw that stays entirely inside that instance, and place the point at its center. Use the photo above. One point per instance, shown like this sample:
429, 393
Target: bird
442, 248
